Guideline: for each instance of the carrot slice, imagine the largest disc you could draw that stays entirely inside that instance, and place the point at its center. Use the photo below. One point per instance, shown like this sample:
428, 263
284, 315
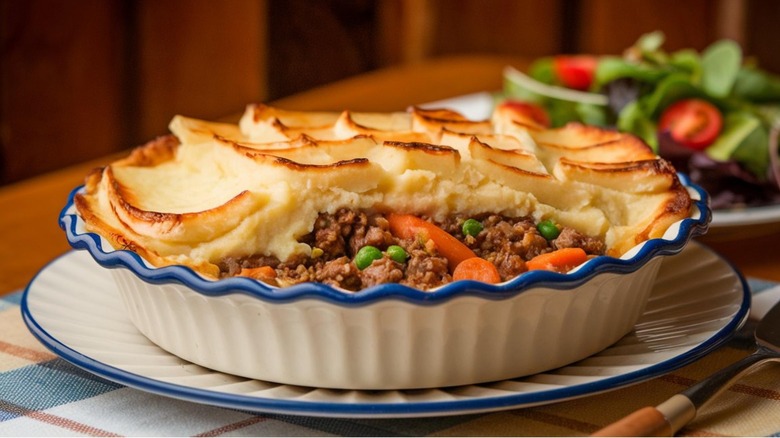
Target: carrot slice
407, 226
260, 273
476, 268
560, 260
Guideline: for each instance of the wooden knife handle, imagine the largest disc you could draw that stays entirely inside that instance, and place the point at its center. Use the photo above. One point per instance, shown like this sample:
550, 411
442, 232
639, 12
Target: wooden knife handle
647, 421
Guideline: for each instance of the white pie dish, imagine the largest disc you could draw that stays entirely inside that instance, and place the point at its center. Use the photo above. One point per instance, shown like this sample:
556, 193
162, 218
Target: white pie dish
389, 336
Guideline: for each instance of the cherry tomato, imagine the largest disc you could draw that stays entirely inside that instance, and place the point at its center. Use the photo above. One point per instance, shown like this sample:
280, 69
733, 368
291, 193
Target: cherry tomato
694, 123
528, 110
575, 71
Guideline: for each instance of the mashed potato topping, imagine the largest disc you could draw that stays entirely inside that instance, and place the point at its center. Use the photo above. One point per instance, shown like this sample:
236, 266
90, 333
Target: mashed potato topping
216, 190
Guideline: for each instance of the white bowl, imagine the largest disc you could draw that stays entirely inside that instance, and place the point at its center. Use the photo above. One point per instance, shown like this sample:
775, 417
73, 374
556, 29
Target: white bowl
389, 336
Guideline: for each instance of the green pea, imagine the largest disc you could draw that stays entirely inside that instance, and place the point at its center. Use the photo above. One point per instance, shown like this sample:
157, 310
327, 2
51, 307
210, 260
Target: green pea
366, 255
472, 227
397, 253
548, 229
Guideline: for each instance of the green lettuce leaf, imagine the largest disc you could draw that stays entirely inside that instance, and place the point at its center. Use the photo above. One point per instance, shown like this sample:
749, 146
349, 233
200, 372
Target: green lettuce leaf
720, 64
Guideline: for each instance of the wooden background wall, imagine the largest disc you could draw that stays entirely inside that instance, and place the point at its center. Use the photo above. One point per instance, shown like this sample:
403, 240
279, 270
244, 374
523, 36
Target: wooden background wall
80, 79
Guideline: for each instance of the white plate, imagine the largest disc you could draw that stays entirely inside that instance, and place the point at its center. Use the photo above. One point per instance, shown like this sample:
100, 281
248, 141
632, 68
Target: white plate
479, 106
72, 306
746, 216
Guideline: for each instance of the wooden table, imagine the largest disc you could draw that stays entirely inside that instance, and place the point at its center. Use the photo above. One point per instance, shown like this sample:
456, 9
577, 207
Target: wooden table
30, 236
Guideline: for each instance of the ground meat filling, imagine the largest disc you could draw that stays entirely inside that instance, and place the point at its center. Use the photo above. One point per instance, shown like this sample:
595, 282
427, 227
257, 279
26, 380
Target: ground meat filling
336, 238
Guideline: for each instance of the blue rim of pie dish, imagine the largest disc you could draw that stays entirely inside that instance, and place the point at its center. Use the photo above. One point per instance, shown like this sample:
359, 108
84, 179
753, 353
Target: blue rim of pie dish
695, 225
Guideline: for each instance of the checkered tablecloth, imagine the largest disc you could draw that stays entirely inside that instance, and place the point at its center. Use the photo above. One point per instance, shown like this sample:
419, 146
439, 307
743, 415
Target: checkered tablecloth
43, 395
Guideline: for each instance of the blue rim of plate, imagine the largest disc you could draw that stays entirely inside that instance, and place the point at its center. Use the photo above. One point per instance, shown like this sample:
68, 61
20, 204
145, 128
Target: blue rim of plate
386, 410
688, 228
